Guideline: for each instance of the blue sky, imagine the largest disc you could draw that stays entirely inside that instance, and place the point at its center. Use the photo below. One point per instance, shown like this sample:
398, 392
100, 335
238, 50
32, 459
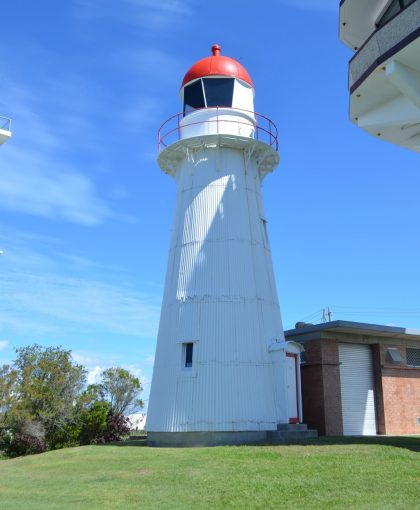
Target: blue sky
85, 213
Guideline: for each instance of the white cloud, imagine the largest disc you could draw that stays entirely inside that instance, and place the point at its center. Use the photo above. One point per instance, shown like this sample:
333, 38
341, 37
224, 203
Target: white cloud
93, 375
150, 360
96, 364
4, 344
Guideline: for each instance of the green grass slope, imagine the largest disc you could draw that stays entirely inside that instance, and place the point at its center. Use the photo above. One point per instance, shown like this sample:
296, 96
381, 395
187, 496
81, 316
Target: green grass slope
325, 473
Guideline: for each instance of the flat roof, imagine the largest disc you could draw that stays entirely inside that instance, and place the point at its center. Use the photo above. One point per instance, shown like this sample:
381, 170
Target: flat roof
358, 328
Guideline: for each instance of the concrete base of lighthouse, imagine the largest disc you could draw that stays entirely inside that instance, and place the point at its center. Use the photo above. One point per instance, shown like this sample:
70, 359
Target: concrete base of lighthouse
185, 439
285, 433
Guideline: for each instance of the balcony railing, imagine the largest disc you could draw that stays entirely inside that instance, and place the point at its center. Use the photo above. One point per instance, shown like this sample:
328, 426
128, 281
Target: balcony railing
382, 44
179, 127
5, 123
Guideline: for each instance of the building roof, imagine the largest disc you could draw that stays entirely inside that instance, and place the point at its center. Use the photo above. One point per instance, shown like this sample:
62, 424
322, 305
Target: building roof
356, 328
217, 65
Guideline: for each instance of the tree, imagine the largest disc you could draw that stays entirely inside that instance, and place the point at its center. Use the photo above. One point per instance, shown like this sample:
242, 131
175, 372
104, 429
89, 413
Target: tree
122, 390
8, 378
40, 394
94, 423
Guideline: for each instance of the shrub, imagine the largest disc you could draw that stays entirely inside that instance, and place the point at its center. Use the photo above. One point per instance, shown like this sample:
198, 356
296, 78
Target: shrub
118, 427
94, 423
29, 440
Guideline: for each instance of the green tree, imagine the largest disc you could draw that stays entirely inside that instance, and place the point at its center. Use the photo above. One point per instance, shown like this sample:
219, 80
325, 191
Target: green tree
8, 378
39, 399
122, 390
94, 422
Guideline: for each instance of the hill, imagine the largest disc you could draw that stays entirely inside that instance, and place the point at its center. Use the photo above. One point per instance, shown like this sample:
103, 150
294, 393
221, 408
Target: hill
325, 473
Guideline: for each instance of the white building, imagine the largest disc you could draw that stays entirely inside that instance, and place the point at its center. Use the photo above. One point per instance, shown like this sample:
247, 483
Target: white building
138, 421
223, 372
5, 126
384, 73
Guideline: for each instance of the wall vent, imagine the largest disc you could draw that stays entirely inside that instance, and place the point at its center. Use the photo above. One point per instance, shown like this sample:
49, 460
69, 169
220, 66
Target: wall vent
413, 357
418, 420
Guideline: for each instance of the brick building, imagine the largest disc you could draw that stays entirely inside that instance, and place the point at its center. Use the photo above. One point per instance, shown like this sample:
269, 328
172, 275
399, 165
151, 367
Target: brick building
359, 379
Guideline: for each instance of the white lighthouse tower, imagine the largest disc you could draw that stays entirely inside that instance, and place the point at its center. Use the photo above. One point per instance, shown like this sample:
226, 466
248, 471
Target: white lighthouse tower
223, 372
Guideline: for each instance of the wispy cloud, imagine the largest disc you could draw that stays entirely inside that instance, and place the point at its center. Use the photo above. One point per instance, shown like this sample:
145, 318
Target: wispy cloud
4, 344
33, 183
147, 14
313, 5
35, 178
38, 297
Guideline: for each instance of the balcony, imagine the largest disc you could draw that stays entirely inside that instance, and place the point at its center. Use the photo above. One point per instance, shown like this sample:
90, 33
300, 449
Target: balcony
384, 43
5, 129
206, 128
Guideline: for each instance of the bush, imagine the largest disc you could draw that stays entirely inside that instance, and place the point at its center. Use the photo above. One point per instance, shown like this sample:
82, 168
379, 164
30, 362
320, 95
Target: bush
118, 427
29, 440
94, 423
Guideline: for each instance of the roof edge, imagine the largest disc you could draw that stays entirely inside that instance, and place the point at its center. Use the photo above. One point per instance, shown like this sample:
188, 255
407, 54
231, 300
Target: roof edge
369, 329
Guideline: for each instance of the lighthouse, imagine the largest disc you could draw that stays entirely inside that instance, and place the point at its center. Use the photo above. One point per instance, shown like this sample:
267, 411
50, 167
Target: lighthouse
223, 372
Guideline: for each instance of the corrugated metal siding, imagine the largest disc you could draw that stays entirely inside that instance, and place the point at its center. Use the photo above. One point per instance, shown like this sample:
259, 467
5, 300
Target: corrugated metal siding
220, 293
357, 390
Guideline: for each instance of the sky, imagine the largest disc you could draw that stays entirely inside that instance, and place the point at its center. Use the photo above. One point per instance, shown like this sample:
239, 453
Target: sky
85, 213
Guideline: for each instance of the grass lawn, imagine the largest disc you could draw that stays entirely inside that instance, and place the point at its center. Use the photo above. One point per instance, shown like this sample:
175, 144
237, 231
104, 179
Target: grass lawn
326, 473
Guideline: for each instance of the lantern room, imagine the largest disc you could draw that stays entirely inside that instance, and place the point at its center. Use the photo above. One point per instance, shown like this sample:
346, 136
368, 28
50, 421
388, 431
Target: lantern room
217, 94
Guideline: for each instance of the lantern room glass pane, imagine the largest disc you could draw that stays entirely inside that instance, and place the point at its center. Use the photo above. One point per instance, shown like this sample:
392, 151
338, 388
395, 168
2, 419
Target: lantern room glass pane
219, 91
193, 96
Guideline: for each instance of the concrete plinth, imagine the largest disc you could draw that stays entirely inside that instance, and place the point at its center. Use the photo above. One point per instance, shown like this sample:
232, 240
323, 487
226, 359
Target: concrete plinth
204, 438
285, 433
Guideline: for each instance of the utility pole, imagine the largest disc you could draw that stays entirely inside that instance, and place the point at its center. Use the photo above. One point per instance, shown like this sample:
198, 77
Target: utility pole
329, 314
326, 315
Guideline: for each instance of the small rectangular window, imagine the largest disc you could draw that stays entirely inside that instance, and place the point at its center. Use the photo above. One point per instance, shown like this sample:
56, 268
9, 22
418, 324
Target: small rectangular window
413, 357
188, 355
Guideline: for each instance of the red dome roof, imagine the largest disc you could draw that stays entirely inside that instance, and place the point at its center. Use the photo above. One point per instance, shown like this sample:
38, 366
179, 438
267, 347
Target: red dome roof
217, 65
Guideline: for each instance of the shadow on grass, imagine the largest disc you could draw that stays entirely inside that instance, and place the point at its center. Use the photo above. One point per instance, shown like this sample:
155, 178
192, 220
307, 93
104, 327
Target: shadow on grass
128, 442
407, 442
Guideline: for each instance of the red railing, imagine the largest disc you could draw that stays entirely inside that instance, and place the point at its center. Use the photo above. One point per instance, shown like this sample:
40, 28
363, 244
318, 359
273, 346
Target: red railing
264, 129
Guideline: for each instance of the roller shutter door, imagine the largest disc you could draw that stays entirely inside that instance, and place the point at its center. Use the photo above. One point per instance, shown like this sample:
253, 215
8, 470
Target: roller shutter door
357, 390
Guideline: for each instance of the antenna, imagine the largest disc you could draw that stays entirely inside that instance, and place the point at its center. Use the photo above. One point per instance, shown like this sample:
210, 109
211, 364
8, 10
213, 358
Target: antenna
326, 314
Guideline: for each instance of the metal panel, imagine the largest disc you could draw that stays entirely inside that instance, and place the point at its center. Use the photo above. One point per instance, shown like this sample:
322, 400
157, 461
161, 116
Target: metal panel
357, 390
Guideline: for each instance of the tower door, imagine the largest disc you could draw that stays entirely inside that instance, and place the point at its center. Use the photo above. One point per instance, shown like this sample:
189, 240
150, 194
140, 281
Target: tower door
292, 387
357, 390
